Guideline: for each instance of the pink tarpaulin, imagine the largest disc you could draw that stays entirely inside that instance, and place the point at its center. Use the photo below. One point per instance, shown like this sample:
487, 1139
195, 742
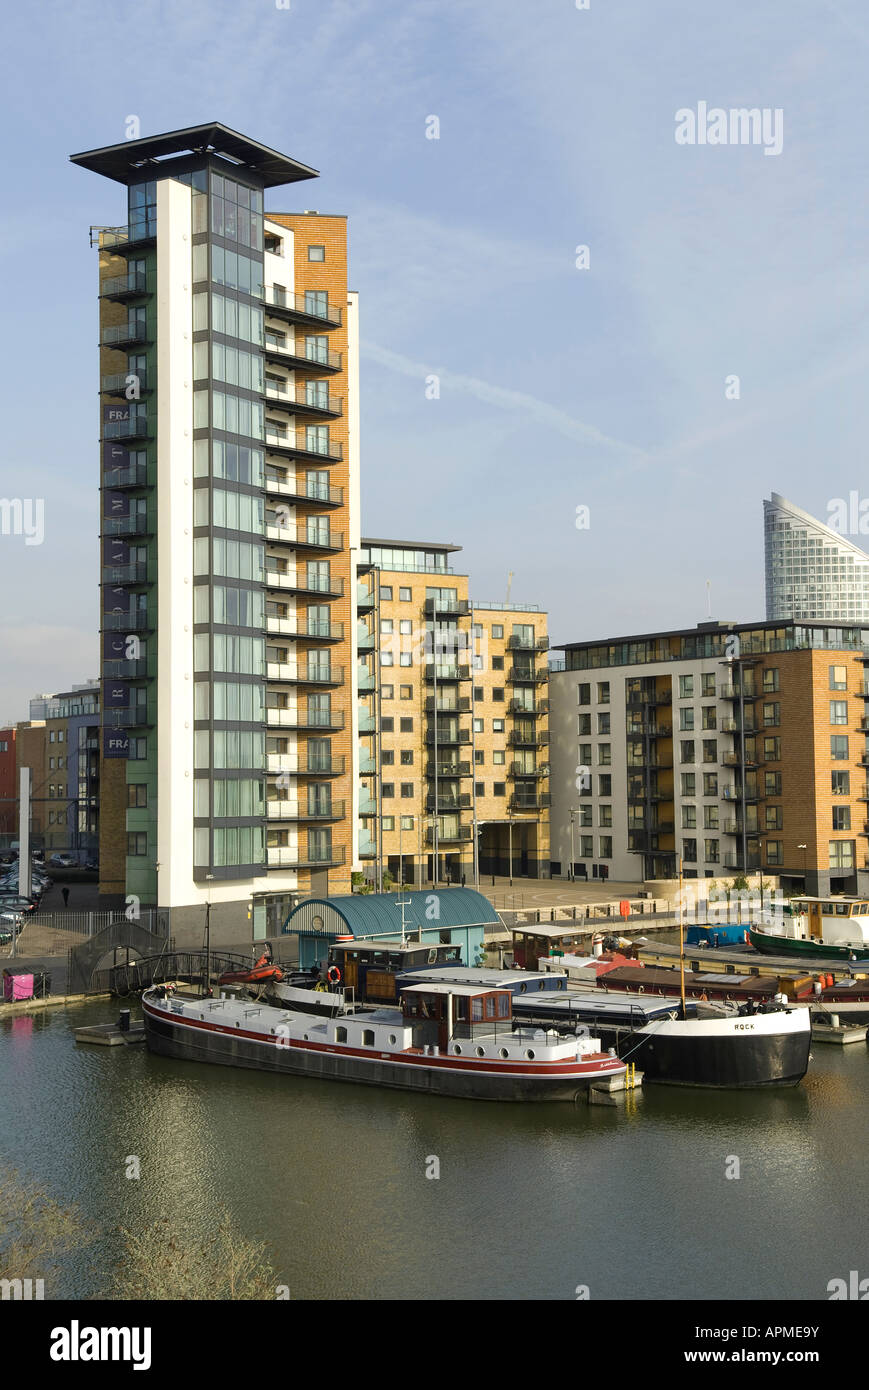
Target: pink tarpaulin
22, 987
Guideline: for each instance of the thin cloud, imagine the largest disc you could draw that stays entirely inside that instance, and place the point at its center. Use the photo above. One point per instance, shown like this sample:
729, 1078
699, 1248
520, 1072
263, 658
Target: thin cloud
499, 396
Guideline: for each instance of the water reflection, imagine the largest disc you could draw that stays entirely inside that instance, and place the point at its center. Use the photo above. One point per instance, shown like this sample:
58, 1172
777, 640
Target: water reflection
531, 1201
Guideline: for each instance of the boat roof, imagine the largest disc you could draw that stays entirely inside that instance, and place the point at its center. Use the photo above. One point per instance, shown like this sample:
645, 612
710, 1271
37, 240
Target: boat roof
579, 928
433, 988
479, 975
832, 898
363, 943
595, 1003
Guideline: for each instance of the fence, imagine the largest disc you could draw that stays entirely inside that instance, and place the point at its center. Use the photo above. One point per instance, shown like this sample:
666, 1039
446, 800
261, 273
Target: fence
89, 923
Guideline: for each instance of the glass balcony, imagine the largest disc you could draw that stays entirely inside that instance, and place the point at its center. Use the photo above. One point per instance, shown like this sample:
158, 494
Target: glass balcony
301, 308
121, 334
299, 444
280, 718
120, 287
125, 574
118, 383
137, 428
301, 583
295, 857
300, 356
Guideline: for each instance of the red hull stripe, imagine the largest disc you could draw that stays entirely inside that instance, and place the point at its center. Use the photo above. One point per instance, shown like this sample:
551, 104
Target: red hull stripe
596, 1063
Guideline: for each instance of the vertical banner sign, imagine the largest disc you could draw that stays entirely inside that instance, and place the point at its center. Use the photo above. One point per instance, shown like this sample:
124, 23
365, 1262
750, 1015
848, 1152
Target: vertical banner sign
116, 695
116, 460
116, 743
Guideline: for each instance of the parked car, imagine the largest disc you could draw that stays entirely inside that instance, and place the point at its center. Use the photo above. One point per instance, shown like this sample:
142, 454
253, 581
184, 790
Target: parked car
62, 861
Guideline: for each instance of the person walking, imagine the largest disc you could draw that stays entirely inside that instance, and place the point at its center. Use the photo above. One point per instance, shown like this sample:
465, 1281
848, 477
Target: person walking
64, 893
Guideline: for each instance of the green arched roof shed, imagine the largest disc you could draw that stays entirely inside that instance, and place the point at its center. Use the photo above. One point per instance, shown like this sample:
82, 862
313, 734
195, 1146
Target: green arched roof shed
379, 914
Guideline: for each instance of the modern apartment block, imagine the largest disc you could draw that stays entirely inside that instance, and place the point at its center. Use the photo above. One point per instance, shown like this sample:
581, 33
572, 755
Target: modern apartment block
229, 505
736, 747
453, 722
60, 745
812, 571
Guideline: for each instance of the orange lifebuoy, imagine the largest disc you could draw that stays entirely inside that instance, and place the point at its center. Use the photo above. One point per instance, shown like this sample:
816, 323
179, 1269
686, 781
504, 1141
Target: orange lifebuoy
333, 975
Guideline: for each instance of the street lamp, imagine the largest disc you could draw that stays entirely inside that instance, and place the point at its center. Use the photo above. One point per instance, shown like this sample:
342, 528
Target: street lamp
571, 875
804, 848
510, 852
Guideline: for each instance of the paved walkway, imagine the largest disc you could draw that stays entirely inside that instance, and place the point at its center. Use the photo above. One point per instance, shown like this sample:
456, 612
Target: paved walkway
553, 892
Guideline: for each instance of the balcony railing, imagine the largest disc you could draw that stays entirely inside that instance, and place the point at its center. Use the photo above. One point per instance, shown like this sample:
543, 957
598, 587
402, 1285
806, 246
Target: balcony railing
520, 770
301, 307
530, 711
126, 670
278, 808
528, 738
300, 355
294, 857
138, 428
290, 764
447, 737
445, 705
531, 803
118, 383
304, 719
446, 671
302, 674
446, 608
528, 644
448, 769
303, 402
527, 675
448, 836
462, 802
124, 286
298, 442
303, 584
120, 334
137, 621
137, 525
125, 574
318, 494
134, 476
303, 537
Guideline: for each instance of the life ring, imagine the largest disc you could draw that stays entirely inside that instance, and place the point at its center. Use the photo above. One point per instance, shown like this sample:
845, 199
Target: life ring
704, 997
333, 975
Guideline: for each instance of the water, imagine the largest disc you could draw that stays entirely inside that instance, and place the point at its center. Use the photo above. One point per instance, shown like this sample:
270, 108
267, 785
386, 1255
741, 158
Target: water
532, 1201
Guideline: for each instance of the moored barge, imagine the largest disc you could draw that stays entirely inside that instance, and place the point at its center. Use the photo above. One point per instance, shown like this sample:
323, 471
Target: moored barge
445, 1039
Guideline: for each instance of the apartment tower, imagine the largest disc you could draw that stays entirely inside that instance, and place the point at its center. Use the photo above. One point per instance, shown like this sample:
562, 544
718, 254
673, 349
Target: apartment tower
229, 497
813, 571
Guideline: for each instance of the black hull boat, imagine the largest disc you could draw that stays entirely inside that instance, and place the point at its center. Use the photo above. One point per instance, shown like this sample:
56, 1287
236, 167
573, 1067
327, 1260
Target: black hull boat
712, 1046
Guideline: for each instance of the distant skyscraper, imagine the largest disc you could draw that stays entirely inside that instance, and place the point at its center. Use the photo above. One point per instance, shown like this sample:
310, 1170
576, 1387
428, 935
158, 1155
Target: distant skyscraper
812, 572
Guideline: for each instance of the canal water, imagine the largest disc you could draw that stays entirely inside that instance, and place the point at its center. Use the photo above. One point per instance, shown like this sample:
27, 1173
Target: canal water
531, 1202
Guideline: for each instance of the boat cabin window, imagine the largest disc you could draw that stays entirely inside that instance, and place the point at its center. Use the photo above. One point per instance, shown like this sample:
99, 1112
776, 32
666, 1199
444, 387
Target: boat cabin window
340, 1034
367, 1037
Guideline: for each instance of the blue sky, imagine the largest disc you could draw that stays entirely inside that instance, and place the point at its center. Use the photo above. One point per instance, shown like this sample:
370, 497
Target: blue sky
559, 387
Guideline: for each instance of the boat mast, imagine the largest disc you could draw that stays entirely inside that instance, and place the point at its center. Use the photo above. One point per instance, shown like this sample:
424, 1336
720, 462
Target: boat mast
681, 943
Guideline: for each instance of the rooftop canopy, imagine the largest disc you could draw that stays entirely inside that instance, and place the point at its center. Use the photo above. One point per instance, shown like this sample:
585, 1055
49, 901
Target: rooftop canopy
128, 161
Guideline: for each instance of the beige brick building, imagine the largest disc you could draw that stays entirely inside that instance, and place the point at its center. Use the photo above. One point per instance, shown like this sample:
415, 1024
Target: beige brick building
453, 723
735, 747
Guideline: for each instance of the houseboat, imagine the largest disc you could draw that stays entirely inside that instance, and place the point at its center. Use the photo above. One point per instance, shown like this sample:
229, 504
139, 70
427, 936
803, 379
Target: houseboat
362, 971
726, 1045
824, 928
443, 1038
